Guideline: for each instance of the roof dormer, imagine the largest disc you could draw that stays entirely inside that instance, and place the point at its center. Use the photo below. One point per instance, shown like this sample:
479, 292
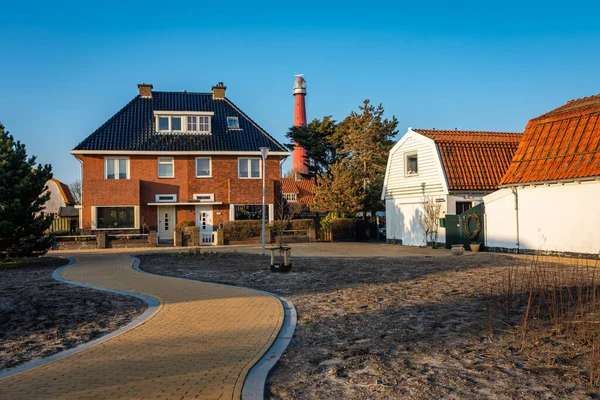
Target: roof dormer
183, 122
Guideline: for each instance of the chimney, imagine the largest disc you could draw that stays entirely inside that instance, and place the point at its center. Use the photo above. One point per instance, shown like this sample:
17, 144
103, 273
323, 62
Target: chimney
145, 89
219, 91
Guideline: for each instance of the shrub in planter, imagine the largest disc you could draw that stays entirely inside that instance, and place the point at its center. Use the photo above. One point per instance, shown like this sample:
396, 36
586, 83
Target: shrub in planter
241, 230
184, 224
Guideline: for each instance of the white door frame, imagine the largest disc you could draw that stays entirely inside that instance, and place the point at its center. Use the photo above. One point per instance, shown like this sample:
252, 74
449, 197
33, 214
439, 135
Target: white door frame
206, 235
160, 222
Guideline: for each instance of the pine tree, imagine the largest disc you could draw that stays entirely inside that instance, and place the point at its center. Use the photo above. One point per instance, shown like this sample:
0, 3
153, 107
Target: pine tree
367, 138
338, 191
22, 198
319, 140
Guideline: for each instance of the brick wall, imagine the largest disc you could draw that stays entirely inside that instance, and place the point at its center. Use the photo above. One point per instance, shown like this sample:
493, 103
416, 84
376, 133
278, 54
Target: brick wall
143, 185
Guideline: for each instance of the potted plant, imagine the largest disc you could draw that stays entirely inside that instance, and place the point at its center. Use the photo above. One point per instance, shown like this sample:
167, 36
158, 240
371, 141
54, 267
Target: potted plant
475, 246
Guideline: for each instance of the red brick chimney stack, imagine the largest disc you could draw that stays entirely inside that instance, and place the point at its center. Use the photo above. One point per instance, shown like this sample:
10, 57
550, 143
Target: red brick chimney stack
219, 91
145, 89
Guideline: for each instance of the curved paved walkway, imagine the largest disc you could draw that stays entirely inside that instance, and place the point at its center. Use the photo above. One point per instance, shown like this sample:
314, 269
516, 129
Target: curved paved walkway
199, 345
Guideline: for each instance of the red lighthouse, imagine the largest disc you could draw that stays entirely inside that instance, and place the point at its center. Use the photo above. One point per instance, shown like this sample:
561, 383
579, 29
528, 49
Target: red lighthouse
299, 157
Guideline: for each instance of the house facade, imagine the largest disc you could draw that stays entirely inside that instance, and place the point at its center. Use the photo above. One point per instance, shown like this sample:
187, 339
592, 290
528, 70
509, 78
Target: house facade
549, 196
62, 206
452, 168
173, 157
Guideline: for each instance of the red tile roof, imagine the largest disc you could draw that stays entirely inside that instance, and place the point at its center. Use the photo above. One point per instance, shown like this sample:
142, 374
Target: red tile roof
561, 144
65, 192
474, 160
305, 189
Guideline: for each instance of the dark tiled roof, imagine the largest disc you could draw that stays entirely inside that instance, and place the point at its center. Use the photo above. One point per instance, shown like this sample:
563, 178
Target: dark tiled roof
474, 160
561, 144
132, 128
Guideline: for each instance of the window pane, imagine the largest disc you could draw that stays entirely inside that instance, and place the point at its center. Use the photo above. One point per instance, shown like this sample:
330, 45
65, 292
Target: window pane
115, 217
192, 124
255, 167
202, 167
204, 124
243, 167
163, 123
165, 170
123, 168
110, 168
175, 124
250, 212
233, 122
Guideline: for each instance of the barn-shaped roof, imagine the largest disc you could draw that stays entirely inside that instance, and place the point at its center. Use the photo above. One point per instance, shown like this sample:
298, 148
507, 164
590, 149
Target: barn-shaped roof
304, 189
473, 160
563, 144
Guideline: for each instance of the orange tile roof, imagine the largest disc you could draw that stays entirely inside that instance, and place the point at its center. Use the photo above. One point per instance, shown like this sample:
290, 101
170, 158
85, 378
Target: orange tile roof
305, 189
561, 144
473, 160
65, 192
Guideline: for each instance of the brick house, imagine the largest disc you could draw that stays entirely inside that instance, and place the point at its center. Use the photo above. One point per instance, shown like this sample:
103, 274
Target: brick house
169, 157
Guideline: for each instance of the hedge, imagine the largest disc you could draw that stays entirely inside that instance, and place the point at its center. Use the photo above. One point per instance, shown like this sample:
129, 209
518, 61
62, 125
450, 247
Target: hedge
241, 230
342, 229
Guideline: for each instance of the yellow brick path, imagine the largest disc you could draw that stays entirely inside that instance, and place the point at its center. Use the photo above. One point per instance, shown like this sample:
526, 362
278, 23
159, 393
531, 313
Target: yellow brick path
199, 345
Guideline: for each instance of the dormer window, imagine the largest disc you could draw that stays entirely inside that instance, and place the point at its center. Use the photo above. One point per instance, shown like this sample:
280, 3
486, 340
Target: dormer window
194, 122
233, 123
412, 164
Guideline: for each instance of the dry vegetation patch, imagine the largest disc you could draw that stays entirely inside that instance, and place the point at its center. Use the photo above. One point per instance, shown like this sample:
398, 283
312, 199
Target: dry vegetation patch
40, 316
396, 328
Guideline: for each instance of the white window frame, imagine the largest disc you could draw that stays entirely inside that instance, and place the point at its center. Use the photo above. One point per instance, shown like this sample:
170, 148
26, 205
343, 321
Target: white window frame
116, 165
232, 119
209, 167
136, 218
406, 157
158, 164
291, 197
249, 168
173, 198
184, 121
211, 196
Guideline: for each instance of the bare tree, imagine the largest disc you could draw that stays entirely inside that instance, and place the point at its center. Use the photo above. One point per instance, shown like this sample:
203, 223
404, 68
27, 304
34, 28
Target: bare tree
429, 220
287, 212
75, 188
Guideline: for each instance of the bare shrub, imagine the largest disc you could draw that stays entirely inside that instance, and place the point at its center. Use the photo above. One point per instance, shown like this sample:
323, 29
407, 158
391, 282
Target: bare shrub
429, 220
558, 305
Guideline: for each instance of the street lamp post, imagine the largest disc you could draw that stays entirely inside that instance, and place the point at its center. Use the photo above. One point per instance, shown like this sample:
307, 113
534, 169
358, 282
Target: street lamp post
264, 152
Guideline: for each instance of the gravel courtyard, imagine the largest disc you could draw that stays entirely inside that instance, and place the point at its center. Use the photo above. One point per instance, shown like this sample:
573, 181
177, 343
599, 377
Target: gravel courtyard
40, 316
390, 328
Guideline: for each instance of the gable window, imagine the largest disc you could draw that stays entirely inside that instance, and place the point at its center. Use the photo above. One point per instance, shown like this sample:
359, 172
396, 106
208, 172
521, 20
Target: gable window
203, 167
291, 197
249, 168
116, 168
166, 167
233, 123
412, 164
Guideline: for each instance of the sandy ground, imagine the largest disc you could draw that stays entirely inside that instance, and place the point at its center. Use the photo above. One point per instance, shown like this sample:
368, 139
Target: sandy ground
40, 316
414, 327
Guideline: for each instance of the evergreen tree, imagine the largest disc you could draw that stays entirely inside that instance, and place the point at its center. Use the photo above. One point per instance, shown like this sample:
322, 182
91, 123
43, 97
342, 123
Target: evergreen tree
319, 140
22, 198
367, 138
338, 192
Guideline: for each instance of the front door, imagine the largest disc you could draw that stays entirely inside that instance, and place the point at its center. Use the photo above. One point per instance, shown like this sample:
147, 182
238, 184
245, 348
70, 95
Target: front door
166, 222
204, 220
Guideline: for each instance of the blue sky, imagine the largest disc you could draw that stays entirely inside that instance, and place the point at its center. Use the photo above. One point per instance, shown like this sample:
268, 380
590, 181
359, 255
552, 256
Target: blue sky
68, 66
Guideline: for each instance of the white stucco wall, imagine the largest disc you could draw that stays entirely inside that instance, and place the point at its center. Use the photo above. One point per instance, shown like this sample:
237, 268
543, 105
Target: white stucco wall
563, 218
404, 193
56, 200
